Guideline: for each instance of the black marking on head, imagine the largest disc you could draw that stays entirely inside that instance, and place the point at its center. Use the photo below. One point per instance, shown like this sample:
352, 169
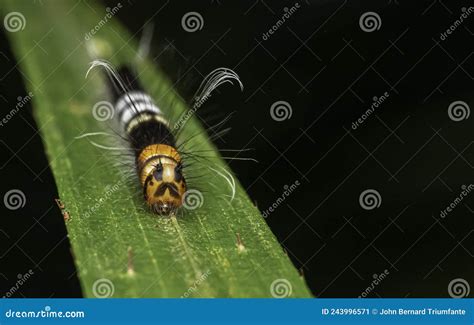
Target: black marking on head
170, 186
147, 180
178, 173
158, 172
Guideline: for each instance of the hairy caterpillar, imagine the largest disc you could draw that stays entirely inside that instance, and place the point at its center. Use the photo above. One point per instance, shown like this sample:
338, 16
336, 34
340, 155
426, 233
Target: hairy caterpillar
158, 158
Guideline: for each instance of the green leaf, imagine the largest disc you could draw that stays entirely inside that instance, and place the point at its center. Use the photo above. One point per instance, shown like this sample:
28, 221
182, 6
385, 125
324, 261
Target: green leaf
120, 248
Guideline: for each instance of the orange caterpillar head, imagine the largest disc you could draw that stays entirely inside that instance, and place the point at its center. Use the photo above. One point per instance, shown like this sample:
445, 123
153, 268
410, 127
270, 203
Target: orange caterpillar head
162, 178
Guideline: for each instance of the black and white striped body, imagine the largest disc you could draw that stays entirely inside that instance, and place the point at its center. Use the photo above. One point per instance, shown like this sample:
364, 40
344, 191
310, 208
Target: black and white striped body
140, 118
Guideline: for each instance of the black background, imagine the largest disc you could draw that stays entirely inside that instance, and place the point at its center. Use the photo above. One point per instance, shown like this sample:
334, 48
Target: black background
328, 70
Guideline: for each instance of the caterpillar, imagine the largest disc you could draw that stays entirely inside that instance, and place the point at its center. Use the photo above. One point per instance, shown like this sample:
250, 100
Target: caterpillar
158, 161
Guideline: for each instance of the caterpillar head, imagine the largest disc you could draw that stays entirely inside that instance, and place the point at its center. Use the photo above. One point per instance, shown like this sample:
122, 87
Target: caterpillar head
163, 181
165, 187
